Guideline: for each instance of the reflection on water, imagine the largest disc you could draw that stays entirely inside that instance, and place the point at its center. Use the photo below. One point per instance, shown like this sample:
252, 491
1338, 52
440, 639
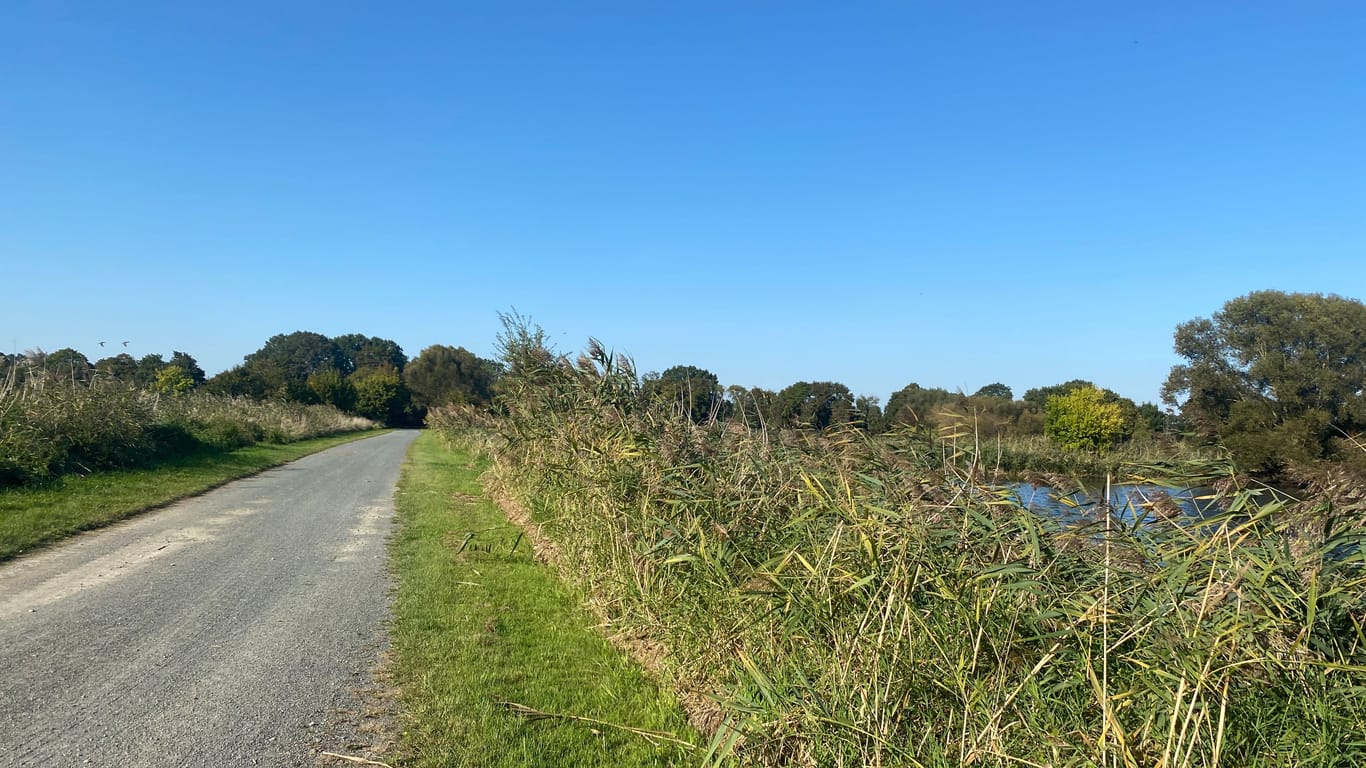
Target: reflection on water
1131, 503
1137, 505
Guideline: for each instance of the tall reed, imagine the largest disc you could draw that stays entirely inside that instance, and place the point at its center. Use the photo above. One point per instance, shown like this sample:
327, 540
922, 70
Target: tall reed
830, 599
50, 425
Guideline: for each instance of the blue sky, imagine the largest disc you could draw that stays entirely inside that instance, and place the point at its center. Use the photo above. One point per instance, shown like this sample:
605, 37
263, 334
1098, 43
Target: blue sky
947, 193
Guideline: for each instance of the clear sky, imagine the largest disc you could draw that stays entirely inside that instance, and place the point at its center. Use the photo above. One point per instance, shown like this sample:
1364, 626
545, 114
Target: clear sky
947, 193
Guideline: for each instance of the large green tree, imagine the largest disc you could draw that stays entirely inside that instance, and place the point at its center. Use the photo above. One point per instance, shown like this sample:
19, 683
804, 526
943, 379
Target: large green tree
173, 380
67, 363
1274, 375
441, 375
300, 354
816, 404
916, 405
868, 414
756, 407
148, 367
1039, 396
996, 390
696, 391
280, 368
239, 381
361, 351
120, 367
189, 365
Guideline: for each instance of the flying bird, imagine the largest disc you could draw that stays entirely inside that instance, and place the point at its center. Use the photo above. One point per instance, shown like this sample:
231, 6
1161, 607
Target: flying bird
125, 343
101, 343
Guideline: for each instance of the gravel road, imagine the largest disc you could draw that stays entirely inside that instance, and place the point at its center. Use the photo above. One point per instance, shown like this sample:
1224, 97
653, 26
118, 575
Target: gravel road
221, 631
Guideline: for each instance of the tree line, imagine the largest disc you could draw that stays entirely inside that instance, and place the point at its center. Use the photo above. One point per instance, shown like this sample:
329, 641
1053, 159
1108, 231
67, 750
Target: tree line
365, 375
180, 373
991, 411
362, 375
1276, 378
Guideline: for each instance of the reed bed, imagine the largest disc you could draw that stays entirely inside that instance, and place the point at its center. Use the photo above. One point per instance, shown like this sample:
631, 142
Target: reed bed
224, 421
835, 600
51, 426
1016, 455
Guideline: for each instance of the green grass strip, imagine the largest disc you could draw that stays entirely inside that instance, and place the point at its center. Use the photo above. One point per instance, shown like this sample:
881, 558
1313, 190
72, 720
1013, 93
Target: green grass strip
481, 628
31, 517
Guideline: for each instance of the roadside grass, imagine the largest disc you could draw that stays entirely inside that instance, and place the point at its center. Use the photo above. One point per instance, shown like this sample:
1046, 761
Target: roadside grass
32, 516
487, 640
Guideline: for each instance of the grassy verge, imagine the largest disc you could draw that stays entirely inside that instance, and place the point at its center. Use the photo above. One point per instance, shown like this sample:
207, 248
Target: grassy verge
33, 516
480, 625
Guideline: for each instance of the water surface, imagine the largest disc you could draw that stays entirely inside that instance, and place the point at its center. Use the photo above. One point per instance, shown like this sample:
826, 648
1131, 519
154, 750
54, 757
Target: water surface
1131, 503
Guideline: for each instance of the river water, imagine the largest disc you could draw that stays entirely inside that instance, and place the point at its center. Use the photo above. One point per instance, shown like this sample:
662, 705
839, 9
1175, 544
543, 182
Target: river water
1131, 503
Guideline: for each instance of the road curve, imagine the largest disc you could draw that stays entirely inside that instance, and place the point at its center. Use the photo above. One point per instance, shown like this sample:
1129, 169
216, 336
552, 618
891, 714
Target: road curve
220, 631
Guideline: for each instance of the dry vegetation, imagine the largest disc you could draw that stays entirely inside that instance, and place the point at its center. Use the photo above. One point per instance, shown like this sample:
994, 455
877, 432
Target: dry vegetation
50, 425
831, 599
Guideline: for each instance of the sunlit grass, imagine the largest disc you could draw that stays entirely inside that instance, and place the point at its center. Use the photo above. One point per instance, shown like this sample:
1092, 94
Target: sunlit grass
491, 647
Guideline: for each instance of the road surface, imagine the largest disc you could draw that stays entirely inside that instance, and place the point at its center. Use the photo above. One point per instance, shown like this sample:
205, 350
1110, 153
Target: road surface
221, 631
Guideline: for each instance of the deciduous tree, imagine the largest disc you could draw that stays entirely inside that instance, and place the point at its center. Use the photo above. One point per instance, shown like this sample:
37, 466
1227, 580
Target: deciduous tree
756, 407
997, 390
148, 368
696, 391
189, 365
868, 414
298, 355
1274, 375
915, 405
238, 381
173, 380
381, 395
330, 388
120, 367
67, 363
1039, 396
441, 375
361, 351
815, 404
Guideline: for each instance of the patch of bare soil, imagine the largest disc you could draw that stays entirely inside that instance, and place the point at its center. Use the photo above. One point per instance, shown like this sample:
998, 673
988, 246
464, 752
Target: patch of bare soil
364, 730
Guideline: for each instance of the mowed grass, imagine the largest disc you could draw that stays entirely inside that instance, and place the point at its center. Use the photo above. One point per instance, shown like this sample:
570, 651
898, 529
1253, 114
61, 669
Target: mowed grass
482, 628
34, 516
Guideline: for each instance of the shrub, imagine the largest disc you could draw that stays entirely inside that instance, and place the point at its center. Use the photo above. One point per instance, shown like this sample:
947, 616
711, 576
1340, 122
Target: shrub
1084, 419
381, 395
52, 424
225, 433
329, 388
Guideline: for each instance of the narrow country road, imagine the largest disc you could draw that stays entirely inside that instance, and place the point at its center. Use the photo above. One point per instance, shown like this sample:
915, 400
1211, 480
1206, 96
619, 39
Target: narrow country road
220, 631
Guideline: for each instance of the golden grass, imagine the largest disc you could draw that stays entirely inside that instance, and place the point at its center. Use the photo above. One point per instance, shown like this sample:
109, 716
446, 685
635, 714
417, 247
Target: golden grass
856, 601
